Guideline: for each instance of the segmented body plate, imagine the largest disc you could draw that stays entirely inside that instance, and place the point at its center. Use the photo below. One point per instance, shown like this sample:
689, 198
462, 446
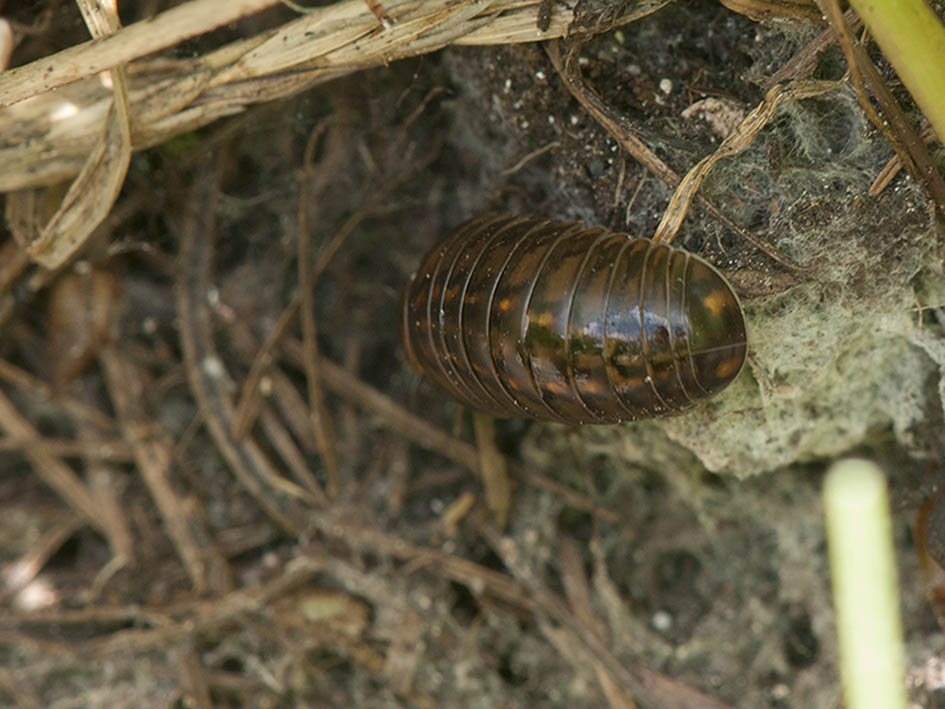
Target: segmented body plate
522, 316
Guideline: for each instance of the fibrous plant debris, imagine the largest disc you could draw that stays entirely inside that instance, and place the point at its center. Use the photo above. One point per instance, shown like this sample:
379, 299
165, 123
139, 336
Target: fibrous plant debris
223, 486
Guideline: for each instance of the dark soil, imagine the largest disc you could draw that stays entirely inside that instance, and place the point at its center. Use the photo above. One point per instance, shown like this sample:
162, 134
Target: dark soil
626, 568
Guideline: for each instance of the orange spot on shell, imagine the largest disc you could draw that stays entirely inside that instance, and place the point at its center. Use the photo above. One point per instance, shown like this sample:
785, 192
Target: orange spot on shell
728, 367
716, 301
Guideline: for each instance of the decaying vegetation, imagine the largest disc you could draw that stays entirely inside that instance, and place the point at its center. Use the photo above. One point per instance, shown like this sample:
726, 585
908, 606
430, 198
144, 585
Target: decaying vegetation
222, 485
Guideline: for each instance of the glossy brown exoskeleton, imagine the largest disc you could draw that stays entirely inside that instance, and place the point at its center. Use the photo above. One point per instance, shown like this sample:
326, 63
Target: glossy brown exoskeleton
522, 316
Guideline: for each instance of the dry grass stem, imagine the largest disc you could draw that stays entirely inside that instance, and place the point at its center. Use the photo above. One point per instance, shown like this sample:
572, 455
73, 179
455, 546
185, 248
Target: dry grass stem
291, 455
36, 387
418, 430
803, 63
455, 512
578, 592
768, 10
493, 467
93, 57
293, 409
576, 587
93, 192
250, 400
168, 97
893, 123
113, 450
892, 168
142, 105
61, 478
531, 156
651, 688
466, 572
623, 133
321, 421
203, 560
179, 624
13, 261
194, 678
737, 141
208, 378
17, 574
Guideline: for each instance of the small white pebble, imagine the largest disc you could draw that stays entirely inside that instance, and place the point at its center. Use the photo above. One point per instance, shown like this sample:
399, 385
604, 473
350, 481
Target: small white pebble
666, 86
36, 595
661, 621
540, 75
212, 367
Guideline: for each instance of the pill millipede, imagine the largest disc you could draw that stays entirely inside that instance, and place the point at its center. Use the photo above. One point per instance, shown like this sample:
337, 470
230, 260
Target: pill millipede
521, 316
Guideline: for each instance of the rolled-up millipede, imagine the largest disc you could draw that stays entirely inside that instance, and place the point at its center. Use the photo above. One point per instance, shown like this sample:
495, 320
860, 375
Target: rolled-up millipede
520, 316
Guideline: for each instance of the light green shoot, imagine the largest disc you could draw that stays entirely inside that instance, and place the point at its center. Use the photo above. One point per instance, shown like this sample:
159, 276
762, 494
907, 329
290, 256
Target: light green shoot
865, 592
913, 39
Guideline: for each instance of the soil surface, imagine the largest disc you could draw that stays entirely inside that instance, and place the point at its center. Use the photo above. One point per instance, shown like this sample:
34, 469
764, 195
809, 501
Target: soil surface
352, 556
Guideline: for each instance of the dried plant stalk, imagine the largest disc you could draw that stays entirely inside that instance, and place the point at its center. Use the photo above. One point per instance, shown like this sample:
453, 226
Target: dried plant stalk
48, 138
767, 10
740, 139
94, 191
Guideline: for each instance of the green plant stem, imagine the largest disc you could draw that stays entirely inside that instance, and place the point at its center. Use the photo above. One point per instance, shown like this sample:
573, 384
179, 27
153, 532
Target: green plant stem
913, 39
866, 599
